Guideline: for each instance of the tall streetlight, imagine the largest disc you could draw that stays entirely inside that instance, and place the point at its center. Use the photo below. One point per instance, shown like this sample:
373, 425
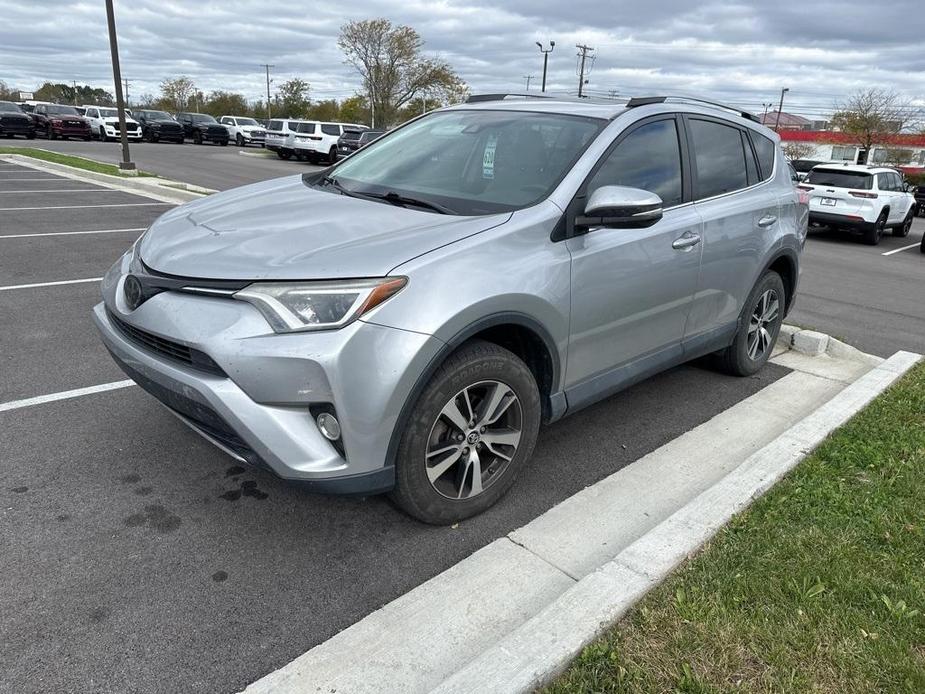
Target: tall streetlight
780, 108
764, 118
126, 164
545, 52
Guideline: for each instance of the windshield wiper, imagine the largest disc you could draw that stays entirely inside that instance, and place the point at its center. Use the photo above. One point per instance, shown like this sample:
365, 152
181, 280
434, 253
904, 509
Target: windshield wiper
404, 201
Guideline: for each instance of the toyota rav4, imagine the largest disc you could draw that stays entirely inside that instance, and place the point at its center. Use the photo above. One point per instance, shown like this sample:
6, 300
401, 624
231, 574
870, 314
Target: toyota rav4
406, 320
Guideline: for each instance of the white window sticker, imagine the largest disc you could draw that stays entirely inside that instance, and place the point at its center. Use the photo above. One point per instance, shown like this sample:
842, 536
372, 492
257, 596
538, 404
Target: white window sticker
488, 159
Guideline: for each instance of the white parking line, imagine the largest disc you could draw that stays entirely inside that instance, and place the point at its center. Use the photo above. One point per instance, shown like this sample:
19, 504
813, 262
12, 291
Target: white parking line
48, 284
63, 395
898, 250
70, 233
84, 207
61, 190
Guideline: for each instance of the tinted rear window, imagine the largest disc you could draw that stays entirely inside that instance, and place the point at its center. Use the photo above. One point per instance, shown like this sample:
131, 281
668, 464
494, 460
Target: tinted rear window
719, 158
857, 180
302, 127
329, 129
275, 125
764, 148
351, 135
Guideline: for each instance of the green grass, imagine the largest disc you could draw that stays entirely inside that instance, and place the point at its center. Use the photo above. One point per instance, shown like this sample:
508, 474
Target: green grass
819, 587
69, 160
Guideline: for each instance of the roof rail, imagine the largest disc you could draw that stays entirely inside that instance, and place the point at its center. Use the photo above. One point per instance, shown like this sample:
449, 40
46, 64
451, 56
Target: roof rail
561, 96
476, 98
646, 100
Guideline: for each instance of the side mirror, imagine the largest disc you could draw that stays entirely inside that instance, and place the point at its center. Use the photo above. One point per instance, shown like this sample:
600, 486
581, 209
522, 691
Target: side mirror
621, 207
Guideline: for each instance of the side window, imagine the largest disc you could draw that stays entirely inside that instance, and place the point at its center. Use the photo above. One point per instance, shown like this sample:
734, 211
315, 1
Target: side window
719, 158
649, 157
751, 168
897, 182
330, 129
765, 150
883, 181
40, 109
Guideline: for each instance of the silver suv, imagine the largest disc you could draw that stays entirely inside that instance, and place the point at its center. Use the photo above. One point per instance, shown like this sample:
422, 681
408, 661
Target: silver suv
404, 321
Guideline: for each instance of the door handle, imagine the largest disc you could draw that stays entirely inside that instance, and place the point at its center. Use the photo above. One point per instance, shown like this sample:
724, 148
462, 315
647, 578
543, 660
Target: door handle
767, 221
686, 242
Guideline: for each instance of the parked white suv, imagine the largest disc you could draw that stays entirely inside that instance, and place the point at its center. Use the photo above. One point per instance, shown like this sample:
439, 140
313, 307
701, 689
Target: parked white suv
306, 139
865, 199
104, 123
244, 131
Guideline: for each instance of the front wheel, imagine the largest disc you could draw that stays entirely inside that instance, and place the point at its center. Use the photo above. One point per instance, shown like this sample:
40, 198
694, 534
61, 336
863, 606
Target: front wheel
239, 140
758, 328
51, 133
332, 155
197, 138
472, 429
283, 154
903, 230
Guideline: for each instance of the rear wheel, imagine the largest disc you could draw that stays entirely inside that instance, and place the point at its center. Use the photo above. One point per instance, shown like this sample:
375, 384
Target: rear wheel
874, 232
758, 328
472, 429
332, 155
903, 229
284, 154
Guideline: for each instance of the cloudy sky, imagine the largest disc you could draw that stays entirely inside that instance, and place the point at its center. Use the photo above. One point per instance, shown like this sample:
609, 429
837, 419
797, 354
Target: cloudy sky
740, 52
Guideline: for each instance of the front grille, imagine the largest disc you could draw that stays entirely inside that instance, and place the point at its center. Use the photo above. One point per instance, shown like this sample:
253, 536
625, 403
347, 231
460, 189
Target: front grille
169, 349
131, 127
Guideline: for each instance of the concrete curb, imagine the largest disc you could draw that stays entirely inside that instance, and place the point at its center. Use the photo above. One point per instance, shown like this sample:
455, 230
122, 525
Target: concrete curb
160, 189
544, 645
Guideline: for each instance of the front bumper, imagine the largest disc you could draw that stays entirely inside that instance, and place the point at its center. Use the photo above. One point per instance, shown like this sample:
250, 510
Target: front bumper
258, 409
64, 131
129, 134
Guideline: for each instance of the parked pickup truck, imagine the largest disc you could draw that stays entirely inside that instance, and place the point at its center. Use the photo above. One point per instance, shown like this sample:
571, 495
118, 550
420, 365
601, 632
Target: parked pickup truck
201, 127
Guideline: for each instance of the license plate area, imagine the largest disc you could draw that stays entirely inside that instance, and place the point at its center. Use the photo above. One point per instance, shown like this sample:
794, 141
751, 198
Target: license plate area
829, 202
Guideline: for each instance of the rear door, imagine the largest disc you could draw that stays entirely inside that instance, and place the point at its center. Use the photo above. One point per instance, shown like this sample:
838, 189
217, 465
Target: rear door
632, 288
740, 224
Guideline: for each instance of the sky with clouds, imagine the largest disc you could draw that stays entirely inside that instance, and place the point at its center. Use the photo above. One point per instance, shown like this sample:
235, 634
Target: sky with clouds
741, 52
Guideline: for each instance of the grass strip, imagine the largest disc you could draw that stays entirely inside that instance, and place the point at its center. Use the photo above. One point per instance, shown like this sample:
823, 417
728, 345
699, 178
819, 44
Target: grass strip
71, 160
818, 587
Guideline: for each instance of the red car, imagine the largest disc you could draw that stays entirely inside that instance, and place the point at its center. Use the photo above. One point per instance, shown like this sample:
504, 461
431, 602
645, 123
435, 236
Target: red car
57, 120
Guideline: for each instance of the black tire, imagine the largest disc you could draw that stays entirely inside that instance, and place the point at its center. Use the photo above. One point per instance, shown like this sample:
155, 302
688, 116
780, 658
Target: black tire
197, 138
223, 143
902, 231
51, 133
102, 134
332, 155
9, 136
30, 136
87, 138
239, 140
922, 246
874, 232
471, 365
735, 359
284, 154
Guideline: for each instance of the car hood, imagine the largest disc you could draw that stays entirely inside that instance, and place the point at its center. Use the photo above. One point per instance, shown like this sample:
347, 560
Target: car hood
115, 119
285, 230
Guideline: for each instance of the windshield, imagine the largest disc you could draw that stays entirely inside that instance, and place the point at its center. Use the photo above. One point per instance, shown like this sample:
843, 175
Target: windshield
247, 121
841, 179
472, 162
9, 106
109, 113
203, 118
351, 135
62, 110
155, 115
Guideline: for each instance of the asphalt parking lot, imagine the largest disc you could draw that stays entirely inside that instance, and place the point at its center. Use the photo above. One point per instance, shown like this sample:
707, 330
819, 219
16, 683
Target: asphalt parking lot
139, 558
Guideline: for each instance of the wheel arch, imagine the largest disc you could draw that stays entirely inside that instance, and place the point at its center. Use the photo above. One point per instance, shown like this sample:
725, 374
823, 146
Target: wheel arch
518, 332
786, 264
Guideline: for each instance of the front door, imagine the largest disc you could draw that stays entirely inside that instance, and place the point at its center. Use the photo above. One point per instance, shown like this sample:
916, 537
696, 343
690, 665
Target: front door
632, 288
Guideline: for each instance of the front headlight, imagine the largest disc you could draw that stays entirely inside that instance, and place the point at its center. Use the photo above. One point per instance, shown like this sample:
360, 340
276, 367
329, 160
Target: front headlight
293, 307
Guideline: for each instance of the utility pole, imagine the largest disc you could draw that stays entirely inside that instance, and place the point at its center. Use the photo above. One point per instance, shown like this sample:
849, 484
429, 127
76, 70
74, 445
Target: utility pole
126, 164
613, 94
268, 66
780, 108
545, 52
528, 78
126, 83
585, 53
74, 83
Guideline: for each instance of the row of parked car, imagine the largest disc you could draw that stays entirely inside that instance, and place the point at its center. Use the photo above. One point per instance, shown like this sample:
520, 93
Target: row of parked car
303, 139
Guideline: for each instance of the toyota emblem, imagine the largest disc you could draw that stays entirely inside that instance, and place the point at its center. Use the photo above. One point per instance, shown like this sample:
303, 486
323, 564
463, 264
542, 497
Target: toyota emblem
134, 293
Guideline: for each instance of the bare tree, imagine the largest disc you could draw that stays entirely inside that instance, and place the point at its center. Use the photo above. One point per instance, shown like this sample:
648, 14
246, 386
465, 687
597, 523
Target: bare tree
178, 91
871, 117
798, 150
388, 58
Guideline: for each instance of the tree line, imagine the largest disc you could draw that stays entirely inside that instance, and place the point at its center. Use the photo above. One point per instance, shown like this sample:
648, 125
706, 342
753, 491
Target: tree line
398, 82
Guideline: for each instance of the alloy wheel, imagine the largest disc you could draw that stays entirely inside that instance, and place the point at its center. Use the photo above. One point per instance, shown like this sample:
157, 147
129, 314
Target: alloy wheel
764, 314
473, 440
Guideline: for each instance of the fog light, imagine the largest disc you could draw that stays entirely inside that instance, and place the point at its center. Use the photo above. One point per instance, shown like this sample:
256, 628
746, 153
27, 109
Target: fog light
329, 426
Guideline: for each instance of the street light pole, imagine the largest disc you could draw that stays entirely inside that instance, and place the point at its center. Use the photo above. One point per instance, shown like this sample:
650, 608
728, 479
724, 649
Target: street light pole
545, 52
126, 164
268, 66
780, 108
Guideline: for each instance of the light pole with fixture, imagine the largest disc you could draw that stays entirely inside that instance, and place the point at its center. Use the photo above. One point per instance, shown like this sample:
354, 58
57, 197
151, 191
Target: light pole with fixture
126, 164
545, 52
